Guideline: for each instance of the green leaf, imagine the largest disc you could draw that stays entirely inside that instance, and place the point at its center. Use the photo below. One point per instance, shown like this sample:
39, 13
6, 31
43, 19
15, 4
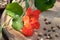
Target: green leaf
0, 28
44, 5
17, 23
14, 9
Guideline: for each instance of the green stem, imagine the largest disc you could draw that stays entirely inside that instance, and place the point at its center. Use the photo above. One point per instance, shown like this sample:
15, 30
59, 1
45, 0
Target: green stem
27, 4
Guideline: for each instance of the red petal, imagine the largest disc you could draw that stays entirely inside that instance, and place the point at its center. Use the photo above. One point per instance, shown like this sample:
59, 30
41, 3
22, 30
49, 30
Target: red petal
25, 18
35, 25
33, 19
36, 12
27, 31
28, 12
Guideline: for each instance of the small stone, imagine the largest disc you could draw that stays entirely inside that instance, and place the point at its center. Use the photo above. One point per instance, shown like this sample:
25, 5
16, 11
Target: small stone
45, 19
56, 35
58, 27
49, 22
53, 30
38, 38
44, 29
49, 30
45, 34
52, 27
39, 35
41, 39
46, 23
49, 35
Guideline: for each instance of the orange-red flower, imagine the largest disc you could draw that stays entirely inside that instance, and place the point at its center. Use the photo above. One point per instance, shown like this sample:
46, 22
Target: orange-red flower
34, 23
32, 13
30, 20
27, 31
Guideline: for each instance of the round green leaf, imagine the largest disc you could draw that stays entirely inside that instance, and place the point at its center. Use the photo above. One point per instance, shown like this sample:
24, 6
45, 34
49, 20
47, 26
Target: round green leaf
14, 9
17, 23
44, 5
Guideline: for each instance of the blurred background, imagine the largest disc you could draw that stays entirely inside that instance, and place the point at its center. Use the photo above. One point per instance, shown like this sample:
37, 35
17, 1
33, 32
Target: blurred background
55, 10
3, 4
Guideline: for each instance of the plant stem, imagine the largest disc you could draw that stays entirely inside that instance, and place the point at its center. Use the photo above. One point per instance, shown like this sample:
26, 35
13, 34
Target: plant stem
27, 4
